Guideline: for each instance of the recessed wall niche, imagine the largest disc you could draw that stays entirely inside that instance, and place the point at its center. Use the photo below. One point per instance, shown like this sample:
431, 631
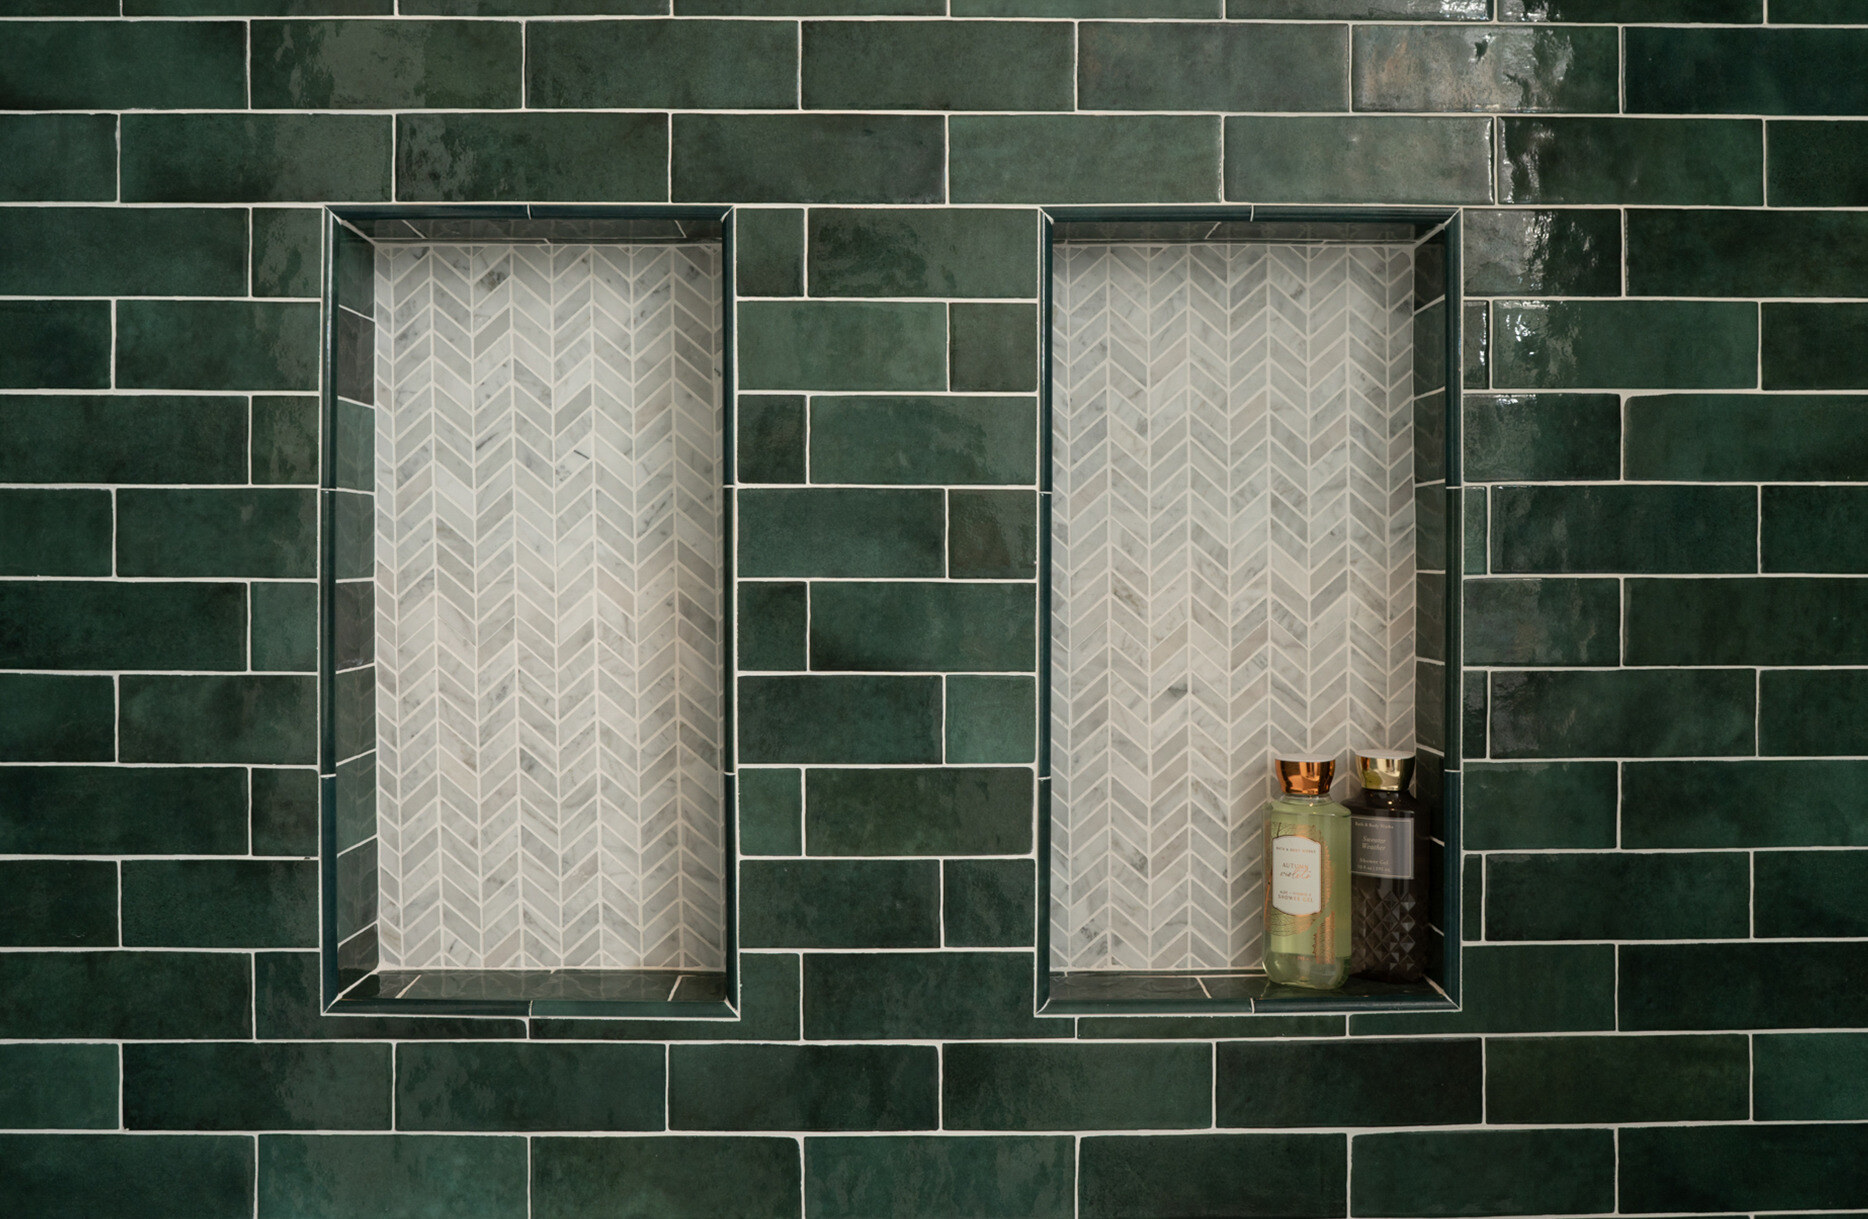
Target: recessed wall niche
526, 614
1249, 524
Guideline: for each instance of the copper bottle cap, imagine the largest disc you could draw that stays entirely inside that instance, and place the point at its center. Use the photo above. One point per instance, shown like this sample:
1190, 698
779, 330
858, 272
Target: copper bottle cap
1306, 776
1388, 772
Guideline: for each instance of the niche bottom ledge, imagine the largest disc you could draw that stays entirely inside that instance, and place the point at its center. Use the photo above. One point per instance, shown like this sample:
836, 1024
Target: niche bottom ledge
540, 992
1236, 992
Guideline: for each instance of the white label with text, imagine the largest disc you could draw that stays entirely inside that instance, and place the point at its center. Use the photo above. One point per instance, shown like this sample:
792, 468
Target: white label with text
1296, 874
1382, 846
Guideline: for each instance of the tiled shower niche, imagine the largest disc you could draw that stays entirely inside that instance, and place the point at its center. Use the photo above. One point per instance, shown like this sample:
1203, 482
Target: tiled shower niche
527, 614
1248, 531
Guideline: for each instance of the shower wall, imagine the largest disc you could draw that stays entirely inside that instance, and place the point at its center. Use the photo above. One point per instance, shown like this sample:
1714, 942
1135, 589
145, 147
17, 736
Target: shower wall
549, 596
1232, 570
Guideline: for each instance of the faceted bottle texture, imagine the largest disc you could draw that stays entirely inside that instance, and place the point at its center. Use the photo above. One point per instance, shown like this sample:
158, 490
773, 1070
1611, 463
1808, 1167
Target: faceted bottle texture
1388, 885
1307, 934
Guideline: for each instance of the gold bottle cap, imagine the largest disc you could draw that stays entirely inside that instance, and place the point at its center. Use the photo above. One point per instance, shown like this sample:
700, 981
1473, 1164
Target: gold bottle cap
1306, 776
1389, 772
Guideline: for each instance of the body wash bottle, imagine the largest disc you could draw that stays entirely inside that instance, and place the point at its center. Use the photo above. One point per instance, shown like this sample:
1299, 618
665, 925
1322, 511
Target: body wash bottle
1388, 881
1307, 937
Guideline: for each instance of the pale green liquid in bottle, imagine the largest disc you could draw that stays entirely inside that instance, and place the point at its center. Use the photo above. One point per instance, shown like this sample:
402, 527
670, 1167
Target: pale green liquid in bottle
1307, 891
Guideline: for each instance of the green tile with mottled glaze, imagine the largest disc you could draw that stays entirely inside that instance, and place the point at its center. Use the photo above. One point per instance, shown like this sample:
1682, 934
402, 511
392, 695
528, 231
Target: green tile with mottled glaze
948, 810
1810, 1076
1611, 713
89, 624
1216, 67
1815, 346
840, 903
55, 718
1746, 437
1486, 68
58, 157
678, 65
771, 626
482, 1087
809, 158
1812, 712
1517, 988
771, 811
1817, 164
1073, 158
988, 903
220, 903
1584, 345
57, 903
937, 65
1802, 894
55, 533
250, 345
1709, 162
916, 626
557, 157
1543, 622
1521, 252
285, 158
837, 718
807, 1087
266, 532
259, 719
672, 1177
329, 1176
1746, 253
1161, 1176
1068, 1087
842, 532
151, 1176
1624, 529
1357, 1082
114, 995
1544, 1080
114, 65
1666, 895
1542, 437
769, 441
388, 65
1357, 159
831, 345
1816, 529
1766, 620
938, 1177
244, 1086
1538, 805
923, 440
944, 252
1484, 1172
768, 256
990, 718
1743, 1167
58, 1087
1766, 71
954, 995
55, 344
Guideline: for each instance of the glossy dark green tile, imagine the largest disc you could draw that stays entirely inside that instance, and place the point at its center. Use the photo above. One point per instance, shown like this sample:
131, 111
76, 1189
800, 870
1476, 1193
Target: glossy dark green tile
354, 541
842, 345
285, 627
776, 1087
263, 8
328, 1176
1533, 805
245, 1086
1805, 712
1539, 437
771, 626
1661, 896
1583, 344
809, 8
220, 903
808, 158
84, 624
402, 65
949, 252
55, 344
855, 719
1083, 158
1810, 346
1088, 8
917, 626
259, 345
1356, 1082
284, 811
1424, 10
113, 810
1521, 71
1216, 67
1810, 893
988, 903
1543, 622
442, 1086
920, 995
69, 1176
1804, 1076
1745, 253
680, 65
1746, 437
261, 532
932, 1177
58, 156
1611, 713
771, 812
141, 995
124, 252
993, 346
263, 720
1518, 988
1520, 252
1617, 1079
46, 718
1744, 986
990, 718
1707, 162
287, 247
143, 439
946, 811
1630, 11
1477, 525
1067, 1087
1484, 1172
353, 700
666, 1178
108, 65
1740, 804
58, 903
923, 440
992, 535
52, 533
1475, 345
769, 442
841, 532
1358, 160
287, 158
1816, 164
287, 1005
1613, 529
58, 1087
1816, 529
768, 255
1155, 1177
1763, 621
1769, 71
534, 8
840, 903
1429, 364
1743, 1167
532, 156
936, 65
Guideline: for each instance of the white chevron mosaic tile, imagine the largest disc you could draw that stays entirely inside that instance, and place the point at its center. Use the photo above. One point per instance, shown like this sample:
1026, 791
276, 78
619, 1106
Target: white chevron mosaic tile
1233, 571
549, 588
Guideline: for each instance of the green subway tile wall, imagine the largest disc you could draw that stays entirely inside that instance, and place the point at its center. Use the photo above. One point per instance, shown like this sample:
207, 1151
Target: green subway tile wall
1665, 831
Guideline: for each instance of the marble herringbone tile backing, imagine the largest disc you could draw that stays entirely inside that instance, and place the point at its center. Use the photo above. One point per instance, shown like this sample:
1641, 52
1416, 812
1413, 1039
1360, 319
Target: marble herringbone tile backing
1233, 571
549, 593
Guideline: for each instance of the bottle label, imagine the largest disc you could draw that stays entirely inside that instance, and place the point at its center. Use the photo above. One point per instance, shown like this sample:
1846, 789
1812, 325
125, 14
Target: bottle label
1296, 875
1382, 846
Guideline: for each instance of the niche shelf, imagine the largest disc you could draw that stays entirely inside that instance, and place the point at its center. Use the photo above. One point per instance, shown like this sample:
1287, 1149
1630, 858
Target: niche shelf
525, 613
1253, 549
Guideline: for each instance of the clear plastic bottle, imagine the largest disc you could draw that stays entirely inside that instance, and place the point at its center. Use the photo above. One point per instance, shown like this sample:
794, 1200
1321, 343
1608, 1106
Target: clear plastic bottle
1307, 936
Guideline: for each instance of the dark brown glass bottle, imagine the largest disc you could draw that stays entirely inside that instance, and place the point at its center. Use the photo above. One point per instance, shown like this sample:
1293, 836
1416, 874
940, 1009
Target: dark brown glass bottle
1388, 871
